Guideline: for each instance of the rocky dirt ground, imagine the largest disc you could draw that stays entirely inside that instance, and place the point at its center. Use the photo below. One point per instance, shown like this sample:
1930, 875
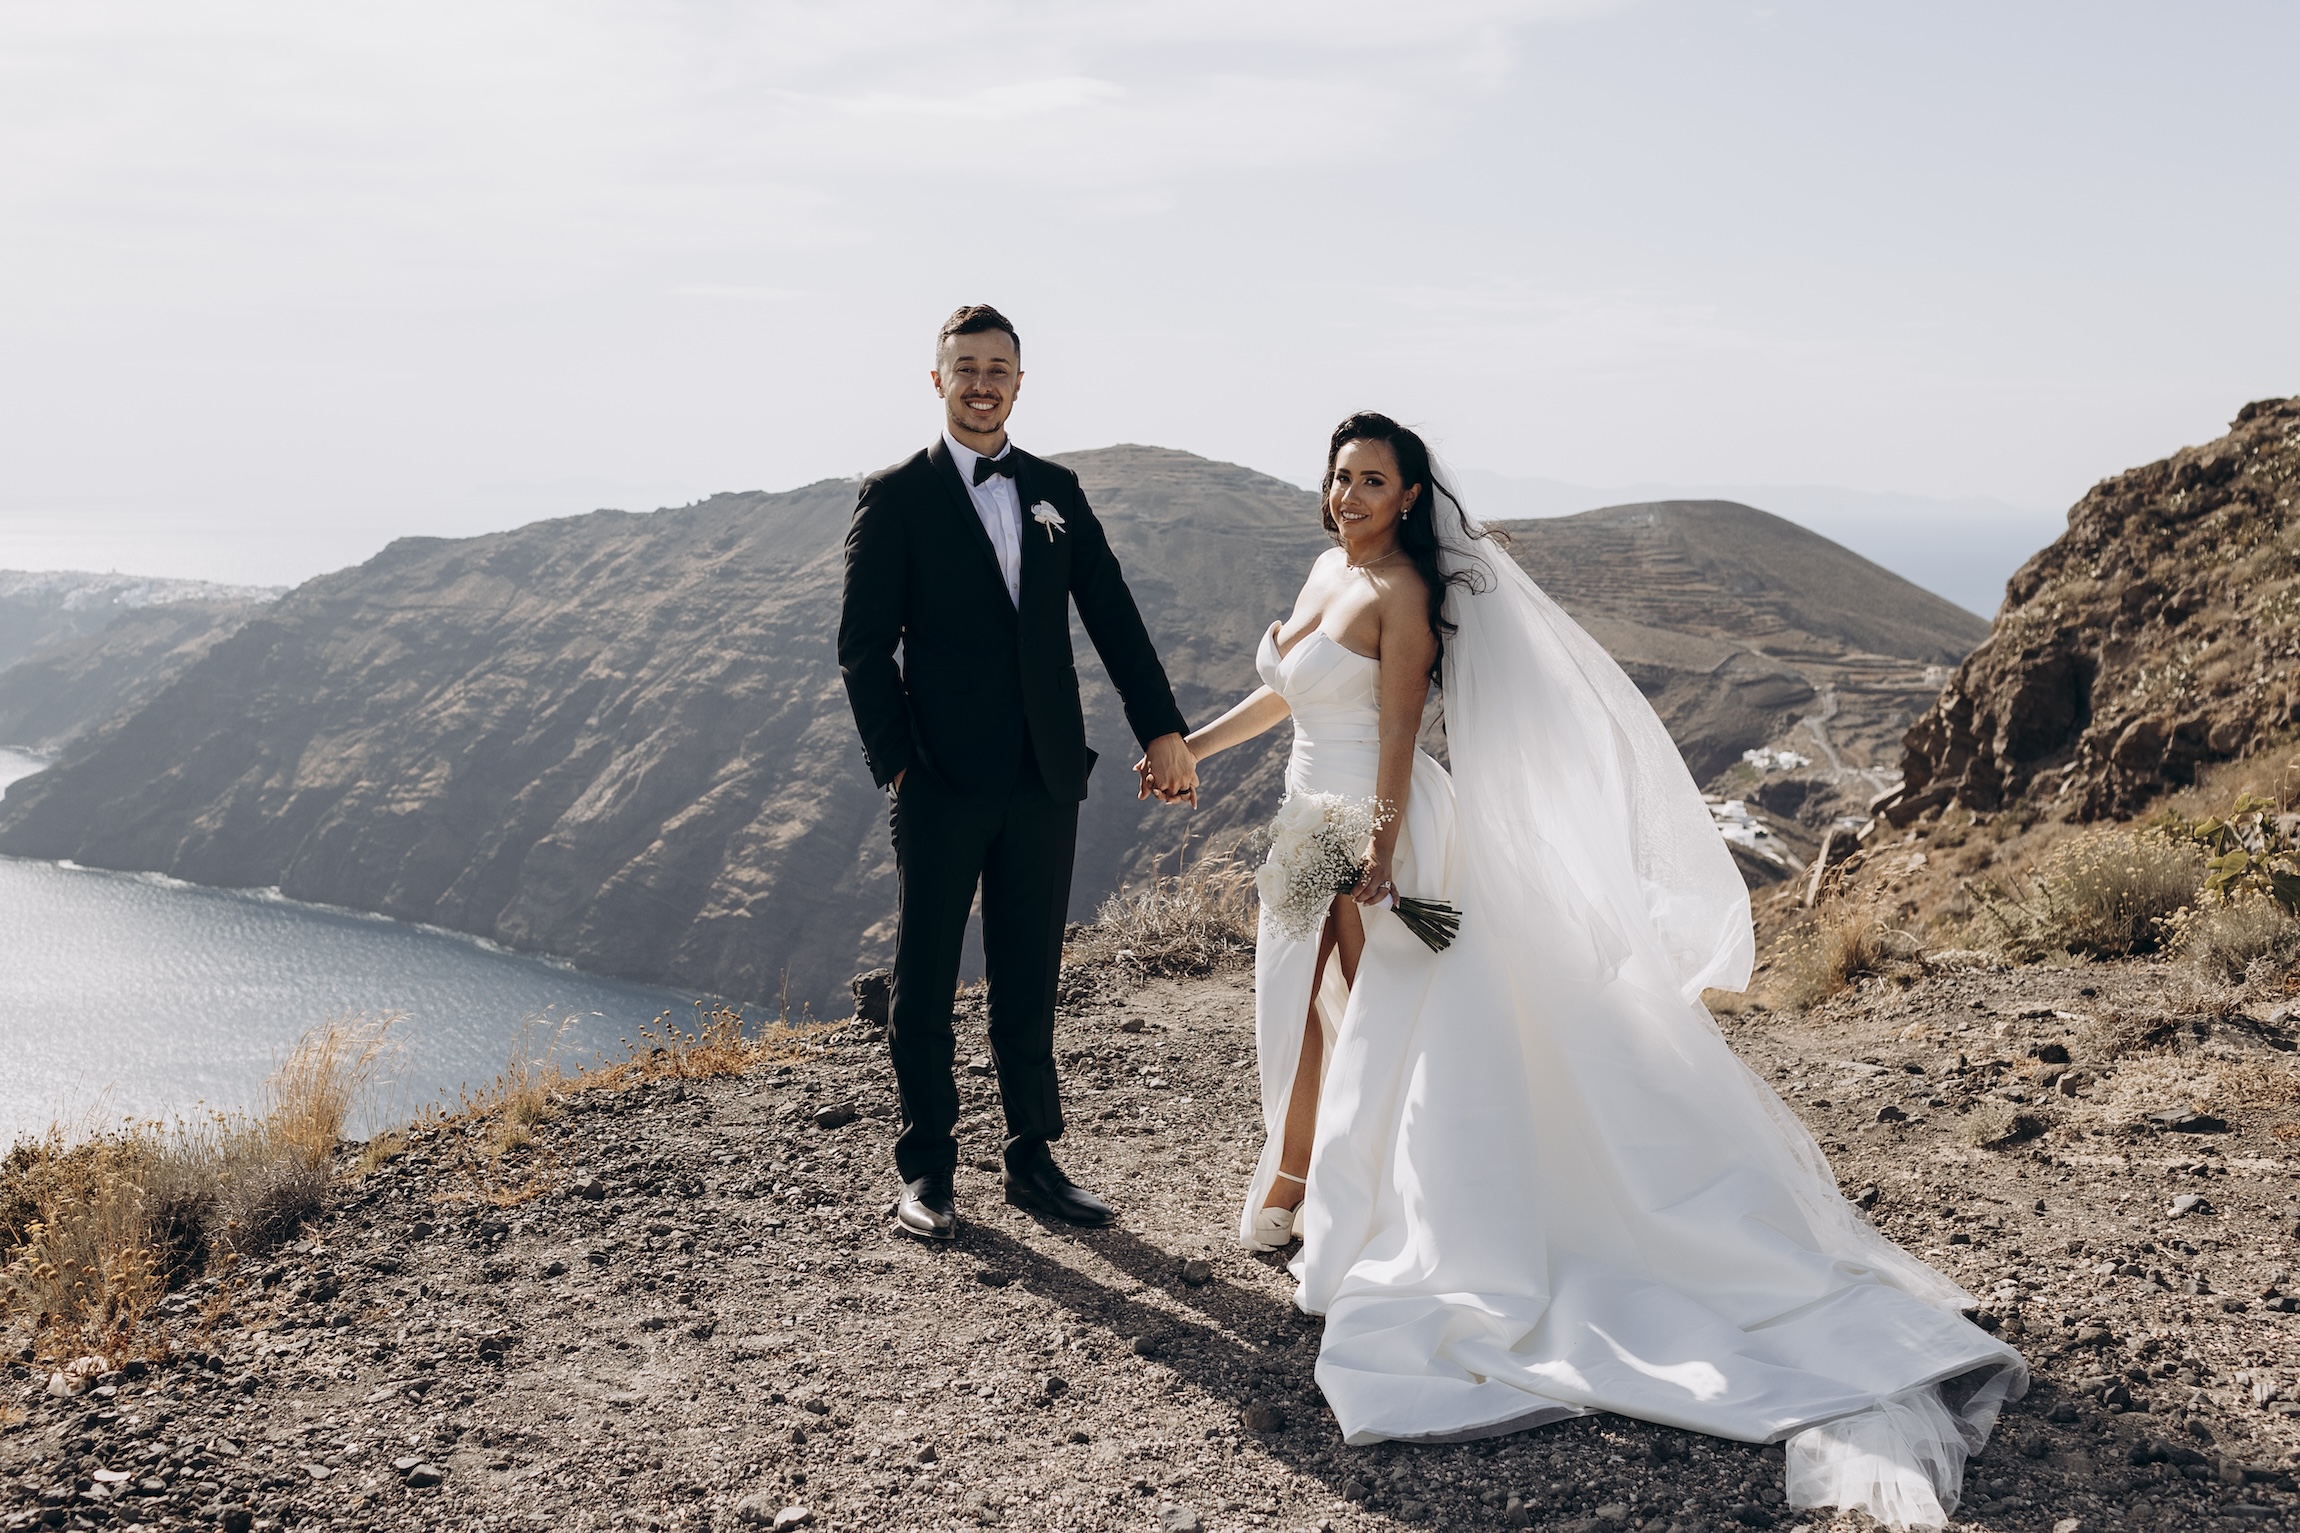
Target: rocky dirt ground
683, 1306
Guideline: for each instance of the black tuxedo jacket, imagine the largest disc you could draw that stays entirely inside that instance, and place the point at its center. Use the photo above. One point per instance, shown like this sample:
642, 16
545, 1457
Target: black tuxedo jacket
979, 674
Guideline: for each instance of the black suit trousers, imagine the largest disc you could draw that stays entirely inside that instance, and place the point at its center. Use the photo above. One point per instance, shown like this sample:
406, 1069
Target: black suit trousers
1016, 846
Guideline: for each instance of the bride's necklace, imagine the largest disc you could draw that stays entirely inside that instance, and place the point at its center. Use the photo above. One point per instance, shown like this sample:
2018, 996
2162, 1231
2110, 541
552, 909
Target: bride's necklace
1395, 553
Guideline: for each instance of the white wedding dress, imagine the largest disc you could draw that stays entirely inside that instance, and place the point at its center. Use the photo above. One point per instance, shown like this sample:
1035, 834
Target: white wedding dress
1542, 1183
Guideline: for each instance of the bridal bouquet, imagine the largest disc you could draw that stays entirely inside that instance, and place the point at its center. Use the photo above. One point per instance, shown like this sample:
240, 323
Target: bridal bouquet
1317, 850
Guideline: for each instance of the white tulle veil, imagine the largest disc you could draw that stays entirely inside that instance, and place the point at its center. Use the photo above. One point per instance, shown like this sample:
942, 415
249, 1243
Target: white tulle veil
1566, 777
1608, 903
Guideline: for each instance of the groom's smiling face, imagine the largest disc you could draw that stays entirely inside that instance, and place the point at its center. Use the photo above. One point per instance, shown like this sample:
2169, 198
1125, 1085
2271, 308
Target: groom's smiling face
978, 377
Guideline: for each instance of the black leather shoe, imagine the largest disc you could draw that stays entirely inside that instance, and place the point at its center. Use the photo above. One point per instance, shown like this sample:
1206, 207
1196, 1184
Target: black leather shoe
926, 1208
1035, 1182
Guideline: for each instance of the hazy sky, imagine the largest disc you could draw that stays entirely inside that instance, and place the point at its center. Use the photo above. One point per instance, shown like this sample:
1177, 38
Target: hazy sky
281, 280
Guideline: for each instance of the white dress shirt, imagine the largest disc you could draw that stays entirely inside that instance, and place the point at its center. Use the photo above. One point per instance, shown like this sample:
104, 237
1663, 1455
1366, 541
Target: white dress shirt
998, 501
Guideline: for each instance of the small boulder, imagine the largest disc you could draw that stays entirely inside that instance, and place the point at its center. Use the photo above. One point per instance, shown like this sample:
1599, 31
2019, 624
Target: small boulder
836, 1115
1261, 1416
1197, 1272
423, 1477
874, 996
2188, 1203
793, 1517
1178, 1519
757, 1509
2183, 1121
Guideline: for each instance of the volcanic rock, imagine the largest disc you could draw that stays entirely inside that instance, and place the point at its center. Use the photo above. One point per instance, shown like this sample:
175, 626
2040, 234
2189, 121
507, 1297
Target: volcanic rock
2159, 633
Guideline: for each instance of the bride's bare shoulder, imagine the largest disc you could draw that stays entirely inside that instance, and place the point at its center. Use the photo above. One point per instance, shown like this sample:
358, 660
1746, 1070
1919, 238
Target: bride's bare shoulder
1401, 583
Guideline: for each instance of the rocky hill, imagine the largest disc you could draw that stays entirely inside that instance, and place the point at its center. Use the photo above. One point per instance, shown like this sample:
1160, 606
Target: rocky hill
1738, 624
622, 739
2159, 633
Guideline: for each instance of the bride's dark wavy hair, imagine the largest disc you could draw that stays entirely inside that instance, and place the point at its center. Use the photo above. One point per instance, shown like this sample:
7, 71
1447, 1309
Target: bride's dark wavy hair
1417, 529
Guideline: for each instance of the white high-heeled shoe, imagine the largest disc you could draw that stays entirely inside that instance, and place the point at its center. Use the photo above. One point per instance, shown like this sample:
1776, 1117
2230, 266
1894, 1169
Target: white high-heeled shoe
1274, 1227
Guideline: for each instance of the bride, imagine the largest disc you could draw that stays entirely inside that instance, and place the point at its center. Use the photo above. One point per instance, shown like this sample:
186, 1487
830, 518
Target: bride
1529, 1178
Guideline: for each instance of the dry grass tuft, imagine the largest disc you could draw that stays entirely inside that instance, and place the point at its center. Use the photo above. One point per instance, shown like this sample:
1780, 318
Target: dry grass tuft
2286, 1131
717, 1045
1192, 922
1844, 944
311, 1096
379, 1152
2104, 894
2256, 1083
96, 1231
1995, 1125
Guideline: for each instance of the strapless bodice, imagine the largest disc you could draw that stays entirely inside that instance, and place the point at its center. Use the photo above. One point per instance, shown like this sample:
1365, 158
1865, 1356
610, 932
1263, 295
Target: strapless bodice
1335, 695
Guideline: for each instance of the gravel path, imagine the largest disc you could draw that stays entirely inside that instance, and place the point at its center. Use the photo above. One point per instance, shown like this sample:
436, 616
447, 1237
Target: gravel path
682, 1307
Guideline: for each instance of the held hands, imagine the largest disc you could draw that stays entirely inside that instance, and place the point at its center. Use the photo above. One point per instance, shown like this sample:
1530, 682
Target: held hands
1169, 770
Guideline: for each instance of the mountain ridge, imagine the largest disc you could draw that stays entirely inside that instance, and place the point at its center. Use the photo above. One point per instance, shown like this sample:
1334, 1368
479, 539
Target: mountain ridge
621, 737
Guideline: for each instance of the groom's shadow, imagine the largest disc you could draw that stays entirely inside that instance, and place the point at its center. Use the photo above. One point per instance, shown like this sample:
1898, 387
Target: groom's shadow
1234, 1346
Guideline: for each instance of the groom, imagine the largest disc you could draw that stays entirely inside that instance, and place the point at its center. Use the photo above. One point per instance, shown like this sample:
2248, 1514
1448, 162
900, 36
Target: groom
968, 557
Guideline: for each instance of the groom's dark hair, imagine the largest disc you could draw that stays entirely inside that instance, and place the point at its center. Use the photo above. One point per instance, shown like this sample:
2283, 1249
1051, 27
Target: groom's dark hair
973, 319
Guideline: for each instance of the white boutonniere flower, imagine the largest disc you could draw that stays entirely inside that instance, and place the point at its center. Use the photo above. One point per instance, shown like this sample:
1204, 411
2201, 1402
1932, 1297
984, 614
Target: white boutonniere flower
1046, 516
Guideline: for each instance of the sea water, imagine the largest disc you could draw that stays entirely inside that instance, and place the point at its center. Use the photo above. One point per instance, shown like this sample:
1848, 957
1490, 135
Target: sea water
134, 995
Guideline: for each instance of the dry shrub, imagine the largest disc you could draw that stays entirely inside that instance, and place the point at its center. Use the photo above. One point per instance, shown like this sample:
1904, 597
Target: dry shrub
2105, 894
2251, 938
82, 1268
96, 1231
2286, 1131
1843, 944
1191, 922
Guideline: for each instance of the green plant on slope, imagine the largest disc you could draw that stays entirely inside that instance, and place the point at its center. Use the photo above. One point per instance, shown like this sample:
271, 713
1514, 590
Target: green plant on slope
2251, 850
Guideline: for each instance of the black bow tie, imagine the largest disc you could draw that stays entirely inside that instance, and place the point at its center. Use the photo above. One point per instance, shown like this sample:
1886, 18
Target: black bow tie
984, 468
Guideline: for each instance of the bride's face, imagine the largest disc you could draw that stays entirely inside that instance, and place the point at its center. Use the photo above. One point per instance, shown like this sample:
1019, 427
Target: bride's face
1365, 499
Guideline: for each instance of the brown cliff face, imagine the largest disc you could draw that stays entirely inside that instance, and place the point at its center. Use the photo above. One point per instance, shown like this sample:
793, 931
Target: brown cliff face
2161, 632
